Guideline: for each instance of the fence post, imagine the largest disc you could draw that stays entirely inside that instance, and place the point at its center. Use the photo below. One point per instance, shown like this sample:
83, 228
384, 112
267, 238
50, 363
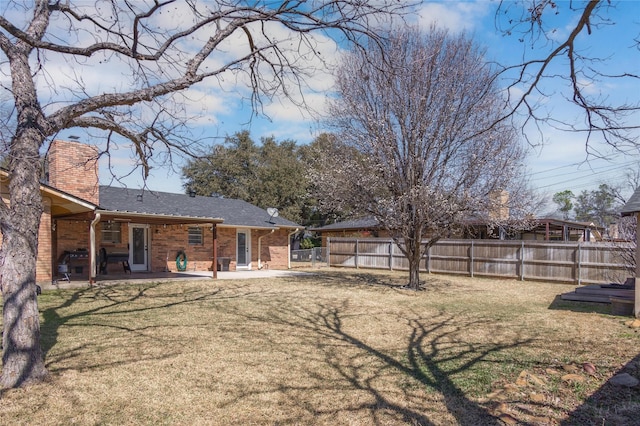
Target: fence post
522, 261
578, 256
357, 250
471, 260
328, 252
429, 258
391, 255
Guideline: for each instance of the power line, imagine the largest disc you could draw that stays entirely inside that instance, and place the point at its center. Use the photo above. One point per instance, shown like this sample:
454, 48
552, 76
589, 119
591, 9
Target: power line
595, 178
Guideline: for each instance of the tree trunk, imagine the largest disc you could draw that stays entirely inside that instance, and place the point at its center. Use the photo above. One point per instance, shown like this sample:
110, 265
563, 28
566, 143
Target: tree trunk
413, 256
22, 358
414, 274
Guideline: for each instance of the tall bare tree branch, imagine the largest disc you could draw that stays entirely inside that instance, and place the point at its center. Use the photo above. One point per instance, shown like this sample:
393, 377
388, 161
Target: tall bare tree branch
614, 122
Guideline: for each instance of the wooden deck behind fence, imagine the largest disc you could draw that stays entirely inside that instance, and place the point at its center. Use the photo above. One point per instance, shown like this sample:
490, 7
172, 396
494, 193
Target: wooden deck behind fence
580, 263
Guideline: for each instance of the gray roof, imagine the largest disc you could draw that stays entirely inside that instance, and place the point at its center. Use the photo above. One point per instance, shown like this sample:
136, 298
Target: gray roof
633, 205
237, 213
361, 223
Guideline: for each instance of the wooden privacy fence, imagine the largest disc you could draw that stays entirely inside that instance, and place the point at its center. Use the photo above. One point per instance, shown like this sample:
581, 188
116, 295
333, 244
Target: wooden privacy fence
581, 263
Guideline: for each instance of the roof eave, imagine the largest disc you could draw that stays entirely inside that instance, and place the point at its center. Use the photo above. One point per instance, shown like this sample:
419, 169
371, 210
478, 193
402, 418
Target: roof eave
152, 217
258, 228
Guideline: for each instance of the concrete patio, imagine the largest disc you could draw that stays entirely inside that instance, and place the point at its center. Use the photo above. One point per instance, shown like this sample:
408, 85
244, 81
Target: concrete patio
78, 281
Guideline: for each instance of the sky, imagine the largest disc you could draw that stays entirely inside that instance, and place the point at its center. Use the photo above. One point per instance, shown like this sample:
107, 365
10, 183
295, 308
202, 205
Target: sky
558, 160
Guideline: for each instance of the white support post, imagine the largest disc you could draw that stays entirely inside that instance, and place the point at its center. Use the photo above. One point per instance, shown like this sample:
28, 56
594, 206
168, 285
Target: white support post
92, 249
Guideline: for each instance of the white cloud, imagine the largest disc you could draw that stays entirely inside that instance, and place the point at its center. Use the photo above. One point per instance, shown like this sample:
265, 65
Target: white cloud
455, 16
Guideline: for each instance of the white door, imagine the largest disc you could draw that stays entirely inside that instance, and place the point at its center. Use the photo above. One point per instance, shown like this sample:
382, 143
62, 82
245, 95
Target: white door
139, 247
243, 249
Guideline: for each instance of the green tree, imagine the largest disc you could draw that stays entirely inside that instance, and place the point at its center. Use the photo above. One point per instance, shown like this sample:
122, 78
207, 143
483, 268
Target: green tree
281, 178
597, 206
230, 169
266, 175
564, 200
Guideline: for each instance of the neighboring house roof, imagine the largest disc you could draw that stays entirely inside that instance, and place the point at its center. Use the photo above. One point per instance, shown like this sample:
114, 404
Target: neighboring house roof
235, 213
372, 223
633, 205
569, 223
361, 223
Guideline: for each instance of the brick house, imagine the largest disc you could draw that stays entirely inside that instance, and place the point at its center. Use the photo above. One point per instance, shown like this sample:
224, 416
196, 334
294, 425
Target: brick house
95, 229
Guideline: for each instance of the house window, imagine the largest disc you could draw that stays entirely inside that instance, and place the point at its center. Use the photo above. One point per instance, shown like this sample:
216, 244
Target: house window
111, 232
195, 236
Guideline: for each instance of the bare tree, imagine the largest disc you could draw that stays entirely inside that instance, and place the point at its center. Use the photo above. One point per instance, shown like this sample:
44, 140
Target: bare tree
426, 155
152, 50
550, 54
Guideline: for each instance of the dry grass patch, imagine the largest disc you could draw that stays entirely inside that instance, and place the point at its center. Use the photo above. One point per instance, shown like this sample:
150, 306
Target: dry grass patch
339, 347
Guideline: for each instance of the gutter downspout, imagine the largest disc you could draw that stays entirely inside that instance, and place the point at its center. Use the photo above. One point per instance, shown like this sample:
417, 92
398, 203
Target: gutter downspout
289, 247
259, 247
92, 249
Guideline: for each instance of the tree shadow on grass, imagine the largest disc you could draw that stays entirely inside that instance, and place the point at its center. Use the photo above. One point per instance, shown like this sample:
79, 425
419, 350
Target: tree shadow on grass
425, 361
611, 404
433, 351
436, 351
108, 301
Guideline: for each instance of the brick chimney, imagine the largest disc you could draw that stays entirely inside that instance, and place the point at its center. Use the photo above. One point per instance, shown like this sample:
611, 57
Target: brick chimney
499, 205
73, 168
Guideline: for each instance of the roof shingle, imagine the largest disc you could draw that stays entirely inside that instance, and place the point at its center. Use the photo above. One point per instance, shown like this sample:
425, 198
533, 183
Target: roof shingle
633, 205
237, 213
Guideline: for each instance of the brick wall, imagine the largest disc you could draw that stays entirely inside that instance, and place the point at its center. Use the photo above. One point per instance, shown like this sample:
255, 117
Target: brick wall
44, 262
227, 245
73, 168
167, 240
273, 249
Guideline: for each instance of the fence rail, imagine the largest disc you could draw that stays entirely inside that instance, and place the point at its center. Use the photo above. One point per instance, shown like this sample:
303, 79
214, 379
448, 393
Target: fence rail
581, 263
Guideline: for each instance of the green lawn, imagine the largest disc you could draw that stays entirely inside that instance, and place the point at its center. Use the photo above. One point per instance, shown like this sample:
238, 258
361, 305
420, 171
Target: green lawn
339, 347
